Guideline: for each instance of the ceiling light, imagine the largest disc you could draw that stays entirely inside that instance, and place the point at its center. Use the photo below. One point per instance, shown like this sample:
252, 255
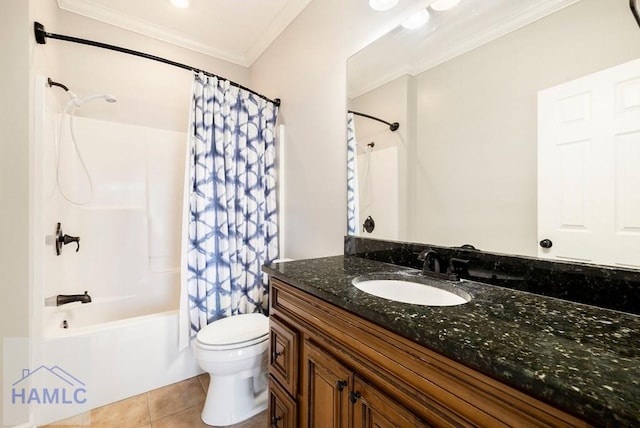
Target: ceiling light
181, 4
381, 5
444, 4
416, 20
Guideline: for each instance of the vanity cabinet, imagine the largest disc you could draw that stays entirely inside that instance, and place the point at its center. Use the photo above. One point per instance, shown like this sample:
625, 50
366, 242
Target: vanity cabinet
331, 368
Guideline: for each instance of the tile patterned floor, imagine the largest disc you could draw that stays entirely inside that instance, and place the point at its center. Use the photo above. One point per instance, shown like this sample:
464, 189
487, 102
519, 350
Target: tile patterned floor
174, 406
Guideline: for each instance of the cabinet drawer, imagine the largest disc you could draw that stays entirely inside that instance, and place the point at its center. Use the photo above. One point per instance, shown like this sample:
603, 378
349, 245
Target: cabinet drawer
282, 408
283, 355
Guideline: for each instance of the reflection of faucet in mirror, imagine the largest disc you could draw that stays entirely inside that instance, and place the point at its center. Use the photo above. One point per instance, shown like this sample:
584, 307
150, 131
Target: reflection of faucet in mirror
433, 263
431, 260
465, 89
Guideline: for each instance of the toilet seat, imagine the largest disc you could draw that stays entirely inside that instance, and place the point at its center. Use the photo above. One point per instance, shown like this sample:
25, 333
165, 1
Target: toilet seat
239, 331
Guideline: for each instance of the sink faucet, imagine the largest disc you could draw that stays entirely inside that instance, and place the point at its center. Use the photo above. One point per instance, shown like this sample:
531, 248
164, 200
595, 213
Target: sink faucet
63, 299
458, 267
432, 266
431, 261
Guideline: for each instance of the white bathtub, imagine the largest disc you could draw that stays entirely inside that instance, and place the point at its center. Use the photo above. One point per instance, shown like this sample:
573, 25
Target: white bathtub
114, 359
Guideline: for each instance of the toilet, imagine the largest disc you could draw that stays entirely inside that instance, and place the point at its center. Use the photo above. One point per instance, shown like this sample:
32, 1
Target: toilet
233, 351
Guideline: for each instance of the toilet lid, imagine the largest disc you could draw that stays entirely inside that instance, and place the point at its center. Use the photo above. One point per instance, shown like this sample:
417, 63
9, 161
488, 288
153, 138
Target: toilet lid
234, 329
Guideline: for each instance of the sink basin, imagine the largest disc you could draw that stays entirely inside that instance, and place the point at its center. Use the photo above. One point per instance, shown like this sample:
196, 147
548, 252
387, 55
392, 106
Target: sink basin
414, 290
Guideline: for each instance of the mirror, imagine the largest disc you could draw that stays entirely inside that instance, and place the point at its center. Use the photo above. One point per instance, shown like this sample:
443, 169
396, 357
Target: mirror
462, 167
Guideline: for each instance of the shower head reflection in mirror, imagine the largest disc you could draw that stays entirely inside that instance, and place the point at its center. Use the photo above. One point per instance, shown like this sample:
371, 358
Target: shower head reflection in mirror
69, 109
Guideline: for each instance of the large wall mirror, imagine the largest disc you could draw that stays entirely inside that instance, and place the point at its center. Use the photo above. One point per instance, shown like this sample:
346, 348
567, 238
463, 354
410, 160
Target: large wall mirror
462, 168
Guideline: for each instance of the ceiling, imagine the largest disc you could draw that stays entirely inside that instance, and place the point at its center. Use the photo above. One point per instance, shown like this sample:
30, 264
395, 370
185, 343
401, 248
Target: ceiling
448, 34
237, 31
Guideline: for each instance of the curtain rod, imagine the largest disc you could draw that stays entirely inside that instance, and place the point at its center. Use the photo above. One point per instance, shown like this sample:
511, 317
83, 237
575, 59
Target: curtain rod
634, 10
42, 35
392, 126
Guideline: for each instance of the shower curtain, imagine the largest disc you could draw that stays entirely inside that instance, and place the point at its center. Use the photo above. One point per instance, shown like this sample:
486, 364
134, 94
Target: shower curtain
230, 218
353, 220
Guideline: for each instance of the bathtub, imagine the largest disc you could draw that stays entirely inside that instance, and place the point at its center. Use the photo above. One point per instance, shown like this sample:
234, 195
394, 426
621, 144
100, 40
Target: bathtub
115, 359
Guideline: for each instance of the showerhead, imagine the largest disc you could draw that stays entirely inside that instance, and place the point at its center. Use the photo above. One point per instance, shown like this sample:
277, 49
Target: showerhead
107, 97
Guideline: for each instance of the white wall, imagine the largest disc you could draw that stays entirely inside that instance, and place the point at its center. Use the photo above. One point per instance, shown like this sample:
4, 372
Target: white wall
14, 174
306, 68
378, 188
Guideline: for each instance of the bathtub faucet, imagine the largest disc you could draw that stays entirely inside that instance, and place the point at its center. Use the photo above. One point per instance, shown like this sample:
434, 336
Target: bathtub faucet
63, 299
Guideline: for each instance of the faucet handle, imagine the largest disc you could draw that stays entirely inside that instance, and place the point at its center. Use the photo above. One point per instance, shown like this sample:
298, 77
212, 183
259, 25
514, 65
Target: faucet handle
458, 266
64, 239
67, 239
423, 254
431, 260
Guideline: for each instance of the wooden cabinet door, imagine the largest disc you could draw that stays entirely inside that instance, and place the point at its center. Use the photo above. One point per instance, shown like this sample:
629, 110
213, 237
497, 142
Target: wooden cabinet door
326, 386
374, 409
283, 355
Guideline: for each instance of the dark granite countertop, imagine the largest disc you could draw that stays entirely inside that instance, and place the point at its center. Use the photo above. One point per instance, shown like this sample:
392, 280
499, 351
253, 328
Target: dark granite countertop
582, 359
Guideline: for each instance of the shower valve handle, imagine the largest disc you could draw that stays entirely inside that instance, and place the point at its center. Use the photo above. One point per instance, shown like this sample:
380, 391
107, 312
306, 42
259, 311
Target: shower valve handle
64, 239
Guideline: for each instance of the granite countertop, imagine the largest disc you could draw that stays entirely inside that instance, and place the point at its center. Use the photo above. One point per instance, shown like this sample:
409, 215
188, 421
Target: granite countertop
582, 359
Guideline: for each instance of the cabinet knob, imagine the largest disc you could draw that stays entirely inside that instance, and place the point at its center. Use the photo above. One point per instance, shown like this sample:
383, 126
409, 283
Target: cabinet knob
275, 420
275, 355
341, 384
354, 396
546, 243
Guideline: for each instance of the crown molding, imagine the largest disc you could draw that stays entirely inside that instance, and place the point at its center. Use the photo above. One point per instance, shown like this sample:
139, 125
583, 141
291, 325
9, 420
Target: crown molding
533, 14
275, 28
111, 16
438, 56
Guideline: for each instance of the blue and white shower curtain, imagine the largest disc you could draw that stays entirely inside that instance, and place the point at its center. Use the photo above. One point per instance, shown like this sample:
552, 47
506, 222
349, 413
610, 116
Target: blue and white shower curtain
353, 220
230, 217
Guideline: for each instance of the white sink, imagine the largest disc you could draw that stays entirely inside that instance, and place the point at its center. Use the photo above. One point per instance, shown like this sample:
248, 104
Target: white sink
411, 291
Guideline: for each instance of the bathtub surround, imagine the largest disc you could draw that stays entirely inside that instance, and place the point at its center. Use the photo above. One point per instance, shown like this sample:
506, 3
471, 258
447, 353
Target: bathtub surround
602, 286
230, 222
129, 231
128, 259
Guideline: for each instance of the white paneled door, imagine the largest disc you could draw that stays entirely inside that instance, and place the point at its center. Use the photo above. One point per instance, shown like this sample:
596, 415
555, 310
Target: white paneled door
589, 168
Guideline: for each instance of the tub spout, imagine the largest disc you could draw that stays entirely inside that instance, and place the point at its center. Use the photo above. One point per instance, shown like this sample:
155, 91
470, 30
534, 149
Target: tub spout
63, 299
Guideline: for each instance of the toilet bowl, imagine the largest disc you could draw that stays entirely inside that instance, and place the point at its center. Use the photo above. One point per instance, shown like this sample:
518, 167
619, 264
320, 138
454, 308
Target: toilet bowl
233, 351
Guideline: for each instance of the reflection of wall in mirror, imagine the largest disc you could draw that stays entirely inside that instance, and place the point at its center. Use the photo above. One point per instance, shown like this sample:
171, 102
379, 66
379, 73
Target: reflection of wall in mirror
476, 126
378, 187
383, 186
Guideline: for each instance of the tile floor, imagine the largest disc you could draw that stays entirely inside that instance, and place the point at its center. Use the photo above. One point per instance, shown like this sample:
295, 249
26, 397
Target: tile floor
174, 406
